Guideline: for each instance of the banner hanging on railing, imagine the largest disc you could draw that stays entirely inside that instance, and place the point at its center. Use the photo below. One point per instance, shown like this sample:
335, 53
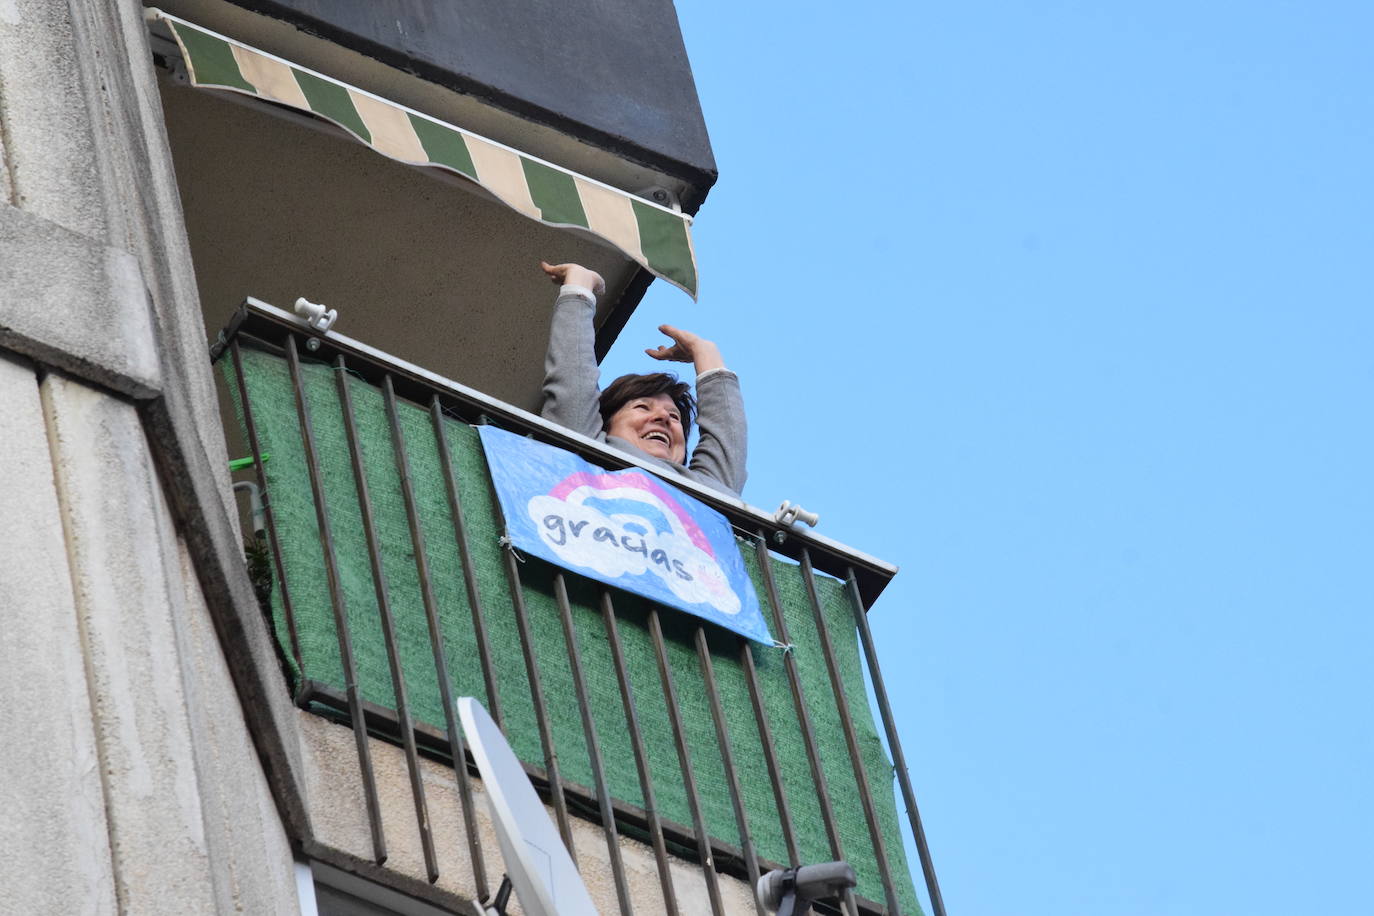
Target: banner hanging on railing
625, 528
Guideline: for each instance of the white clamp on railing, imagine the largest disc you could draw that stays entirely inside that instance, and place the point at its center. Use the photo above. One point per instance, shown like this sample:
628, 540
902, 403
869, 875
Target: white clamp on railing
789, 514
316, 315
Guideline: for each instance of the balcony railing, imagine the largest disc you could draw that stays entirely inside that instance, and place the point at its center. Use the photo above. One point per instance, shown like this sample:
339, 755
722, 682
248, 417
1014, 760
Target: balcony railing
392, 594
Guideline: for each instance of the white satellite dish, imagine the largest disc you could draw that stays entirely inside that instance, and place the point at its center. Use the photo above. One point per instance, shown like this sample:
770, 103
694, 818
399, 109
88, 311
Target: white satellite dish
537, 862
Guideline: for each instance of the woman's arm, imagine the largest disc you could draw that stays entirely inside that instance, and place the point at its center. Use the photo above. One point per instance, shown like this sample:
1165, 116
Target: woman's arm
570, 369
722, 449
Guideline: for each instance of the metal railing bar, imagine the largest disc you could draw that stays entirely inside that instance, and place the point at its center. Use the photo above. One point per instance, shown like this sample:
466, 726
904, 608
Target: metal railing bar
799, 703
541, 713
937, 903
646, 783
393, 656
460, 534
813, 758
770, 752
851, 740
603, 795
418, 384
336, 593
727, 758
274, 542
689, 779
436, 637
457, 749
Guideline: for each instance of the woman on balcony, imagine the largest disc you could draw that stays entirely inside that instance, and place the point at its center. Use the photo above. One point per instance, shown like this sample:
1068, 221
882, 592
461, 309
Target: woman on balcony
649, 416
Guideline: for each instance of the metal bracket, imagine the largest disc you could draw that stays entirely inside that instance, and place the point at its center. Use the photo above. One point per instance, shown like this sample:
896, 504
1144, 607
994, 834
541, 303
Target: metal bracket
318, 317
789, 514
661, 196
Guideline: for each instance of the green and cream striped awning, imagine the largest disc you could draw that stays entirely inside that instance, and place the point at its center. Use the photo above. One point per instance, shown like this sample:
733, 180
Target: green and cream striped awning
652, 235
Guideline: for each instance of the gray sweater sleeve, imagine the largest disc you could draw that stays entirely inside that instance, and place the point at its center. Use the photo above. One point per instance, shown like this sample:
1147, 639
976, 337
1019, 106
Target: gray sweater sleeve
570, 370
722, 434
571, 399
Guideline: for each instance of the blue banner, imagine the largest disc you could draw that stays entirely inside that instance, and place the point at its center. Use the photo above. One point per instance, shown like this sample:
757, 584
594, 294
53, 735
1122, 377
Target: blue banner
625, 528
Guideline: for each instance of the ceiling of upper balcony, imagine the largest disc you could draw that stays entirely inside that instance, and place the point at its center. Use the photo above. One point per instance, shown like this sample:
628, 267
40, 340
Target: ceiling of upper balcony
420, 264
602, 87
426, 269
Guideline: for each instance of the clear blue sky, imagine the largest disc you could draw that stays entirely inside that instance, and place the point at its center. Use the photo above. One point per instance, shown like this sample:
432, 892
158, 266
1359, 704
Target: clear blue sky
1065, 308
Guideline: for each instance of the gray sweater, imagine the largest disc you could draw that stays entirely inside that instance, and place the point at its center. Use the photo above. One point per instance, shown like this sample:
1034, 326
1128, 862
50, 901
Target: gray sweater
571, 399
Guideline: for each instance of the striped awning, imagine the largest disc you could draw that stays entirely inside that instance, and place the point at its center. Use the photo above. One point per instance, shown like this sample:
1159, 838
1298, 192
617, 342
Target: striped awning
652, 235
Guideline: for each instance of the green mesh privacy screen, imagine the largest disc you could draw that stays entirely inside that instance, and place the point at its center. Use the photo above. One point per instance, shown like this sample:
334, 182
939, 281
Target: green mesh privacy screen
271, 396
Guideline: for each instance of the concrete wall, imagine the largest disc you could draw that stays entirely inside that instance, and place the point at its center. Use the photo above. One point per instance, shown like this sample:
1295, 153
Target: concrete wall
129, 778
343, 838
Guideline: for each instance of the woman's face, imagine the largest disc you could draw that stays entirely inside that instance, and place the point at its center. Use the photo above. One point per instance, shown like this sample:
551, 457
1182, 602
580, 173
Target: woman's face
654, 424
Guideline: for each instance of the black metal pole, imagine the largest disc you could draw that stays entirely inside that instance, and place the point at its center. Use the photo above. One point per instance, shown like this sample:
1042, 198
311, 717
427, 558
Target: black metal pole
460, 534
684, 756
937, 903
405, 723
803, 713
646, 782
541, 713
727, 758
456, 744
770, 752
851, 740
355, 710
603, 795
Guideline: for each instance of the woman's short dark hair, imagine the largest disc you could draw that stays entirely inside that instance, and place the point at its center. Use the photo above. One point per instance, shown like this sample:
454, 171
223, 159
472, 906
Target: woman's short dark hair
629, 387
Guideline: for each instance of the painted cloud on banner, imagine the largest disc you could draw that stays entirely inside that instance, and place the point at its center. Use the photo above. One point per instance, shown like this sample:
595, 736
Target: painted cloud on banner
629, 531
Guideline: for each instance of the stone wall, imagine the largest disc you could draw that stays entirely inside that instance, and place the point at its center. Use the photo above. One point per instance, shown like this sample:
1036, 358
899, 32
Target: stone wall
130, 777
342, 836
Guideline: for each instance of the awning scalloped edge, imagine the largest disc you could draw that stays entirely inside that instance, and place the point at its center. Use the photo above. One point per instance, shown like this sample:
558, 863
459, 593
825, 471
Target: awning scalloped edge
657, 238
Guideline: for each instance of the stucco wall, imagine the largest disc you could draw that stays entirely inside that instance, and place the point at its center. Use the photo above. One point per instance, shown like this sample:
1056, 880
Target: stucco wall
130, 783
129, 780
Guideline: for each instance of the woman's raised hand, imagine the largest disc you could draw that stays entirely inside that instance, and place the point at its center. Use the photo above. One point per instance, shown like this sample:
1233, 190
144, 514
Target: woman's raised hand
574, 274
688, 348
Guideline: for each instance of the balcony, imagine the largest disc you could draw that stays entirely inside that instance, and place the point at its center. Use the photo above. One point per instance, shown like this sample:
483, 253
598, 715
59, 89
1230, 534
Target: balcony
390, 593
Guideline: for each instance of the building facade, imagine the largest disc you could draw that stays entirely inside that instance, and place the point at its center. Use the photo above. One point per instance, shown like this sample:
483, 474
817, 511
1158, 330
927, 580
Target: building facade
179, 750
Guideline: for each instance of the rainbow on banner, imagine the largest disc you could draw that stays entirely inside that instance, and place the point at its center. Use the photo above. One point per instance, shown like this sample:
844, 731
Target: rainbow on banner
624, 528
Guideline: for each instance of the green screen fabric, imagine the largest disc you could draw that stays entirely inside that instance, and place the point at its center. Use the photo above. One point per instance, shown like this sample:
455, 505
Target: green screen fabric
275, 414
